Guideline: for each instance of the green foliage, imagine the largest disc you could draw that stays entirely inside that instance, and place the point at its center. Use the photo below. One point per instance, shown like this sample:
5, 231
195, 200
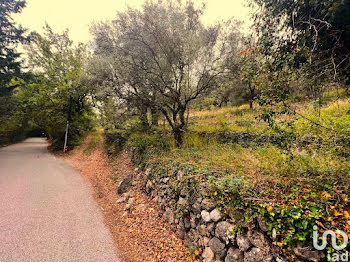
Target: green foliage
11, 126
146, 145
157, 70
143, 145
193, 140
335, 116
116, 139
318, 34
59, 93
10, 36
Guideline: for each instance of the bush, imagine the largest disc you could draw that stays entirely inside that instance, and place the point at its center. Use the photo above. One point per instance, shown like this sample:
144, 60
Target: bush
146, 145
116, 140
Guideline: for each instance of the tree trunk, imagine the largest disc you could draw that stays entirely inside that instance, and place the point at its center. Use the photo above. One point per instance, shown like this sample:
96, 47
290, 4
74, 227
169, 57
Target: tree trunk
155, 117
143, 118
224, 100
178, 137
251, 104
69, 123
252, 96
164, 131
178, 129
188, 115
177, 122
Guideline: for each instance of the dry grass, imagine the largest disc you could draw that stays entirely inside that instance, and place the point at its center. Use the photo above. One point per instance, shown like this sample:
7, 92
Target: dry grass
335, 115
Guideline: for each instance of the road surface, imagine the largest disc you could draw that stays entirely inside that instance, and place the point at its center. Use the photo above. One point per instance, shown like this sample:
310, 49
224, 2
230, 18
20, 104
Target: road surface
47, 212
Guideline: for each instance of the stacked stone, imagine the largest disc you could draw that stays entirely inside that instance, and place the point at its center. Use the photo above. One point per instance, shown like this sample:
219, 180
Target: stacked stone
204, 227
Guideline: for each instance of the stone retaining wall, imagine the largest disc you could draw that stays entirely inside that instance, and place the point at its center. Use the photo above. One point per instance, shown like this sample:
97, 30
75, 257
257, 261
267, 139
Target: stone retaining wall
197, 220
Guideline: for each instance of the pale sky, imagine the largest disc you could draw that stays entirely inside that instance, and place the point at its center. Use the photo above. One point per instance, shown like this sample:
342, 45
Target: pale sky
78, 15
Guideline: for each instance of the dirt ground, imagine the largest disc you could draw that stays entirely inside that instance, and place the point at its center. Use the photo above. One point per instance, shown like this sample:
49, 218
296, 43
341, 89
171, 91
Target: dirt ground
139, 234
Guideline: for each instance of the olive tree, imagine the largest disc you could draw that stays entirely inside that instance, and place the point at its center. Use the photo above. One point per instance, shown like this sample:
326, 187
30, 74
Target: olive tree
163, 57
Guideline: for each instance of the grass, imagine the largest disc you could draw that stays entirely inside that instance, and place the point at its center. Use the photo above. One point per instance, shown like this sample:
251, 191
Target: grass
264, 164
334, 117
240, 119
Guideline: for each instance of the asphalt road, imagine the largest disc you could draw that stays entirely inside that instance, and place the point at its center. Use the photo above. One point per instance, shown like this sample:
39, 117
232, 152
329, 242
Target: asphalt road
47, 212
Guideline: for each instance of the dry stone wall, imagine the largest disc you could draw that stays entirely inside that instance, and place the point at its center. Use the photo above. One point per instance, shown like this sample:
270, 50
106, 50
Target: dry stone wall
197, 220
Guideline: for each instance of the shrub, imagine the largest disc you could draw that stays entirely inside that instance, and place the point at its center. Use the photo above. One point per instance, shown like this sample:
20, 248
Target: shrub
116, 139
145, 145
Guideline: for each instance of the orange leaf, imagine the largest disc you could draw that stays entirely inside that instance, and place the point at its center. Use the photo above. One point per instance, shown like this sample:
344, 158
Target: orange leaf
320, 224
337, 213
325, 194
